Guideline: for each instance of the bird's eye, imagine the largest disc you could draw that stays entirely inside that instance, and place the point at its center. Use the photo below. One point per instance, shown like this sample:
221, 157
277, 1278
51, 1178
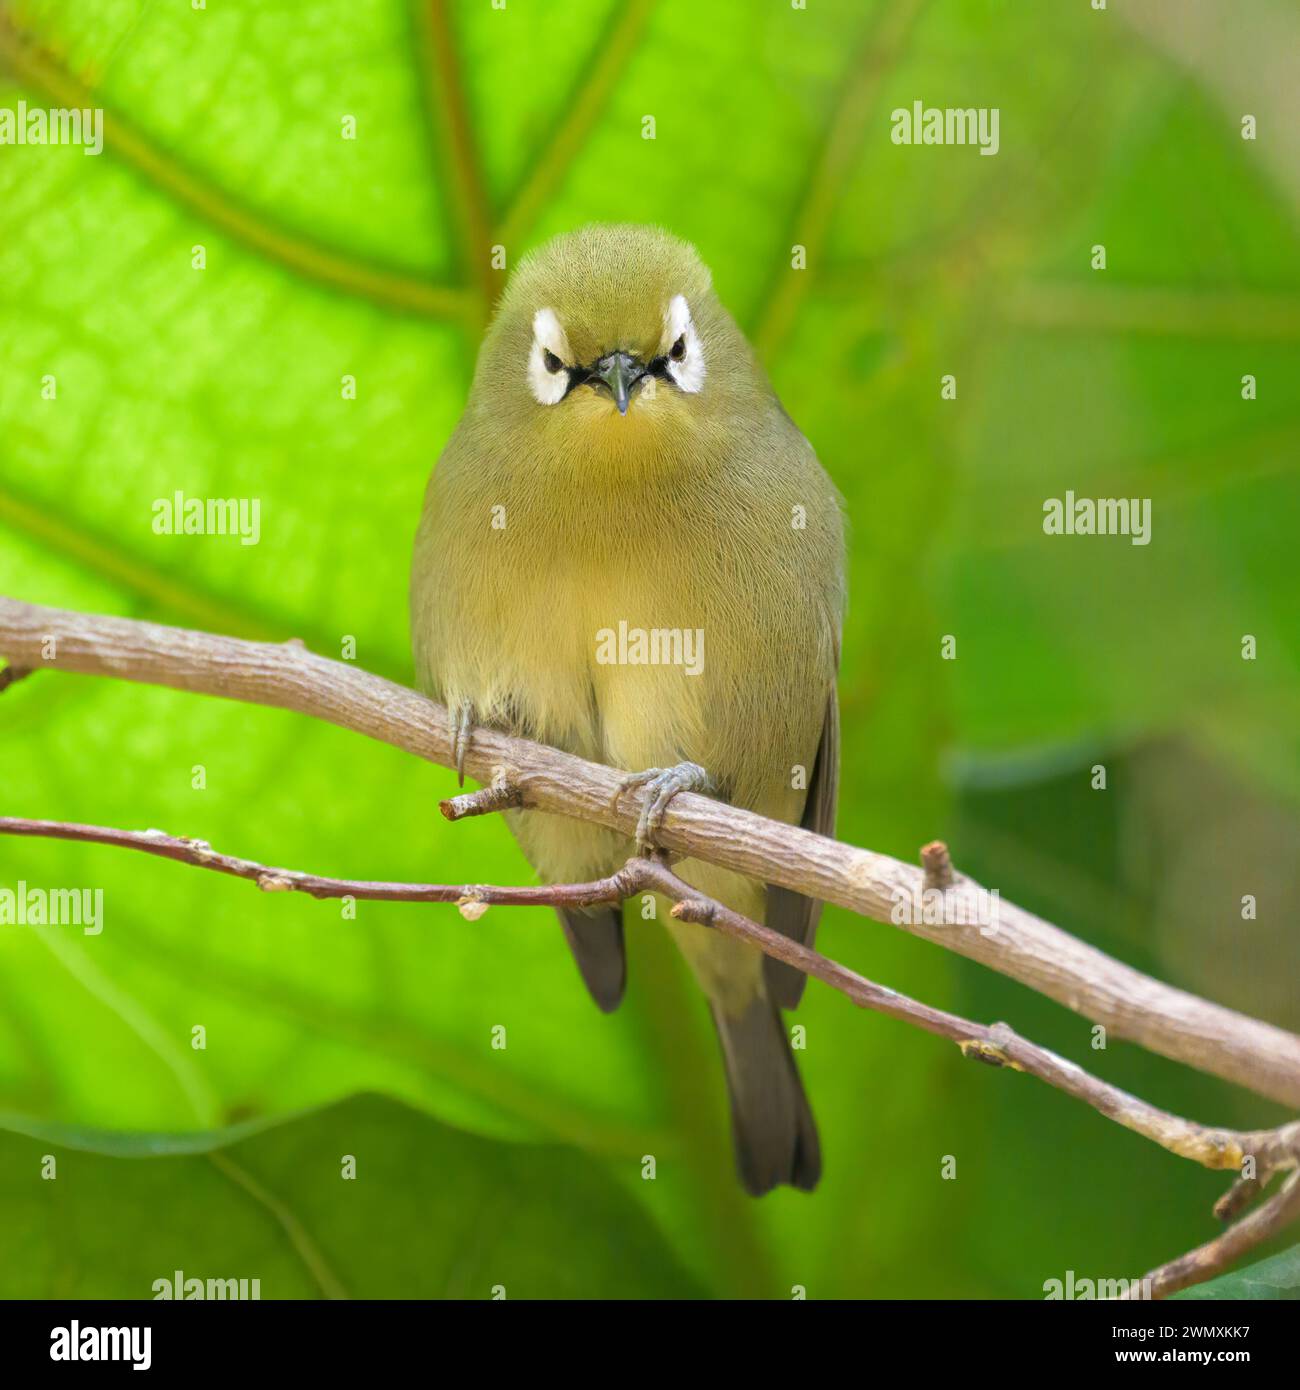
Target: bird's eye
553, 363
678, 350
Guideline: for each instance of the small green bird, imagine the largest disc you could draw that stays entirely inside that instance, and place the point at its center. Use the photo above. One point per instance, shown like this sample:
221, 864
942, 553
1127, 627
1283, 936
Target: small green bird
629, 551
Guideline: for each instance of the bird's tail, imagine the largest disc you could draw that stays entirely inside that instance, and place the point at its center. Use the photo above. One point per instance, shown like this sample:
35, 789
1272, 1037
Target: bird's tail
775, 1135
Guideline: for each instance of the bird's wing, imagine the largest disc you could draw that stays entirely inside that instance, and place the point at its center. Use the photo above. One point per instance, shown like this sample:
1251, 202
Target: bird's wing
790, 913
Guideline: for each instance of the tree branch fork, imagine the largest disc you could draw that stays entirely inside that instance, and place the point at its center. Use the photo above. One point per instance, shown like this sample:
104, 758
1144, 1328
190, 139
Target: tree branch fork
520, 773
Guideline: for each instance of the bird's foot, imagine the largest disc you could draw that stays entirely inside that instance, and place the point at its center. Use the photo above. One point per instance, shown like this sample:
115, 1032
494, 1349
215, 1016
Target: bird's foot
664, 783
462, 726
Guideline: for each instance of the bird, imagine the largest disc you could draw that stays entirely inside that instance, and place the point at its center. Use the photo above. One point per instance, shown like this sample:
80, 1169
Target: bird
629, 551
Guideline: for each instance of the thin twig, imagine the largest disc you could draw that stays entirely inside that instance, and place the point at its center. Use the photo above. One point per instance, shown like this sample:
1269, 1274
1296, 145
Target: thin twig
1218, 1254
1237, 1198
288, 676
500, 796
1273, 1150
183, 849
936, 866
1131, 1005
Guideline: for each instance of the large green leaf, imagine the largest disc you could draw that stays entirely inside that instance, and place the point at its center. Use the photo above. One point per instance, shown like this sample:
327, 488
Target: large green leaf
328, 257
366, 1199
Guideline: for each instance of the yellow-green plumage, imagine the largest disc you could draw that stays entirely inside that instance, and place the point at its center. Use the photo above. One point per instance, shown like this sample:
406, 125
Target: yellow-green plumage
545, 524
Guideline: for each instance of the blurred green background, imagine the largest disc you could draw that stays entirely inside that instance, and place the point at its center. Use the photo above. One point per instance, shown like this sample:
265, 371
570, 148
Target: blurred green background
371, 257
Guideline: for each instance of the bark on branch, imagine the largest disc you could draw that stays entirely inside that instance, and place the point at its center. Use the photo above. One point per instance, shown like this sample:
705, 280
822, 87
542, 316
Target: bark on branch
520, 773
1126, 1002
1274, 1150
1269, 1152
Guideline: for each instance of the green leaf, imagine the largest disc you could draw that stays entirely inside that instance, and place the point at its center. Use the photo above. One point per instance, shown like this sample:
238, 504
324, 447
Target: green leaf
367, 1199
1276, 1277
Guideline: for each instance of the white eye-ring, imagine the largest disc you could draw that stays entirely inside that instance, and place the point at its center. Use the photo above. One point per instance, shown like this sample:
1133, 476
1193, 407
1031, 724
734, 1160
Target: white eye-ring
549, 359
680, 346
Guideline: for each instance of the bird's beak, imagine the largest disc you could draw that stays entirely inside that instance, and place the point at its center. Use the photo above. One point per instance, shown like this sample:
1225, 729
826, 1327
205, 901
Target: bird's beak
620, 371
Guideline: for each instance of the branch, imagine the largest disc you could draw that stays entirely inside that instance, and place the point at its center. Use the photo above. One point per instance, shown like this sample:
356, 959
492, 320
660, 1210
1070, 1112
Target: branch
1129, 1004
500, 796
1272, 1151
1216, 1255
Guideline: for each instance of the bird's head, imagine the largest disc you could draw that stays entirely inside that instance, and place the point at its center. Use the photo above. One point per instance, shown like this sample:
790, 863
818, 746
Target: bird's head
611, 331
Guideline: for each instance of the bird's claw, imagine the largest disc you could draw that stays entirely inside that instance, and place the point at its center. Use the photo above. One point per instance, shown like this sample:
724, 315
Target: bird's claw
664, 783
462, 724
